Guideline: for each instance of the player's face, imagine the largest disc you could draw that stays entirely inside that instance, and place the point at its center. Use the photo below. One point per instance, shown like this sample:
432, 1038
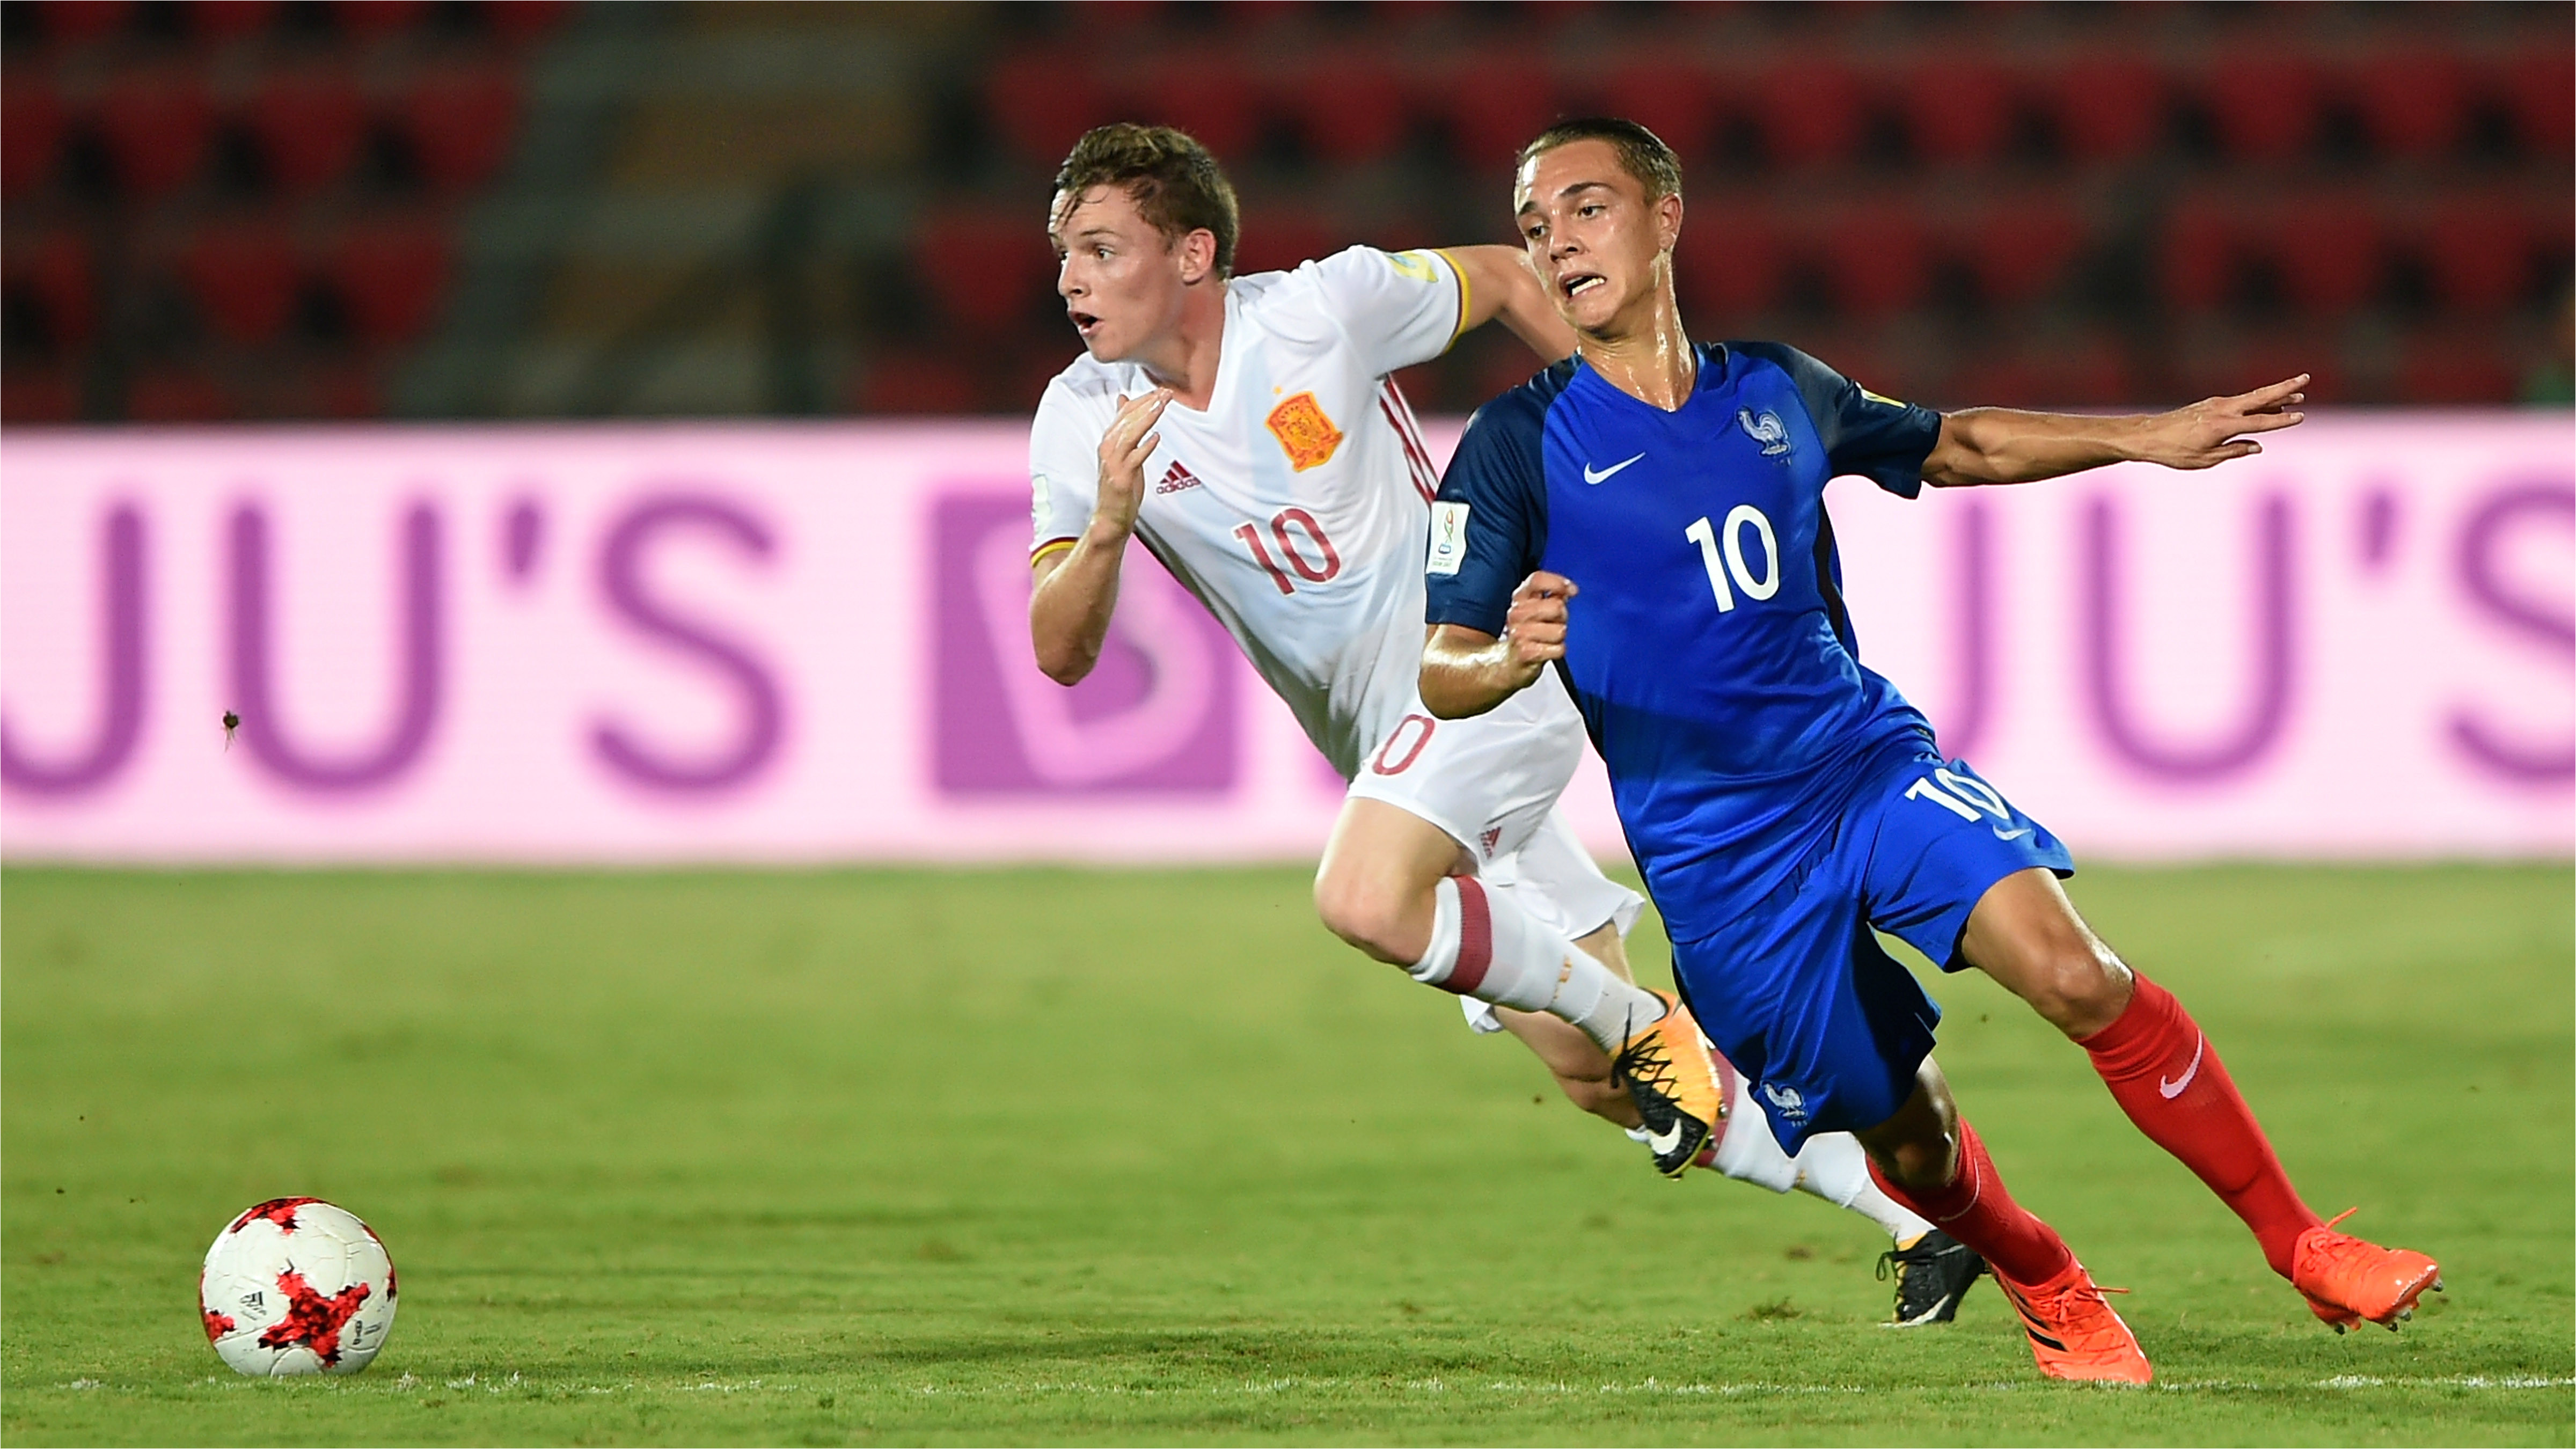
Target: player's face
1122, 281
1600, 246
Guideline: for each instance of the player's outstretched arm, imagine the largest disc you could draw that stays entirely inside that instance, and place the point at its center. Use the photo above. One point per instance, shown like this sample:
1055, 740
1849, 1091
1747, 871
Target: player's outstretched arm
1468, 671
1076, 590
1501, 286
2000, 445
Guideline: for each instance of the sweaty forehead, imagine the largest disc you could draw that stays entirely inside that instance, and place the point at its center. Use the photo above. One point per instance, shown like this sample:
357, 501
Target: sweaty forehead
1535, 192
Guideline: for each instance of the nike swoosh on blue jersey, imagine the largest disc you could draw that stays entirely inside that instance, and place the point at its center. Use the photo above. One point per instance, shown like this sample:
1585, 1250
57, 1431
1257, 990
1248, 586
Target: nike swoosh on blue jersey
2012, 834
1591, 477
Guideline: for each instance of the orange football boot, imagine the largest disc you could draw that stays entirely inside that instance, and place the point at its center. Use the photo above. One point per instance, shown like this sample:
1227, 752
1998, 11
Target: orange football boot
2347, 1280
1673, 1077
2073, 1332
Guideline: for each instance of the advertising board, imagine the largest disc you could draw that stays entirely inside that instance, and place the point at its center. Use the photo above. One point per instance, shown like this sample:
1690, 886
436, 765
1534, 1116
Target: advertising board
807, 643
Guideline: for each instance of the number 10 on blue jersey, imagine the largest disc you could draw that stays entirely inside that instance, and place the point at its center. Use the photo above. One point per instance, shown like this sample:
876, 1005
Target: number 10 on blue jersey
1719, 570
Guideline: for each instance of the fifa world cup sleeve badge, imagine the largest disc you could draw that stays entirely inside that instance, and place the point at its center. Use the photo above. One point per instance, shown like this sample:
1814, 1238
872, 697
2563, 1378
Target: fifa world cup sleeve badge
1448, 538
1304, 432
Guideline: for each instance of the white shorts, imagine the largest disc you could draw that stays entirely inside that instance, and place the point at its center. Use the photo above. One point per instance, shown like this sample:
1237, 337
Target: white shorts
1491, 783
1487, 781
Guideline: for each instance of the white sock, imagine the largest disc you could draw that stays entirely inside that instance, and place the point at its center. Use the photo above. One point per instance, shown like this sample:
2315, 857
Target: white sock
1485, 946
1835, 1167
1832, 1166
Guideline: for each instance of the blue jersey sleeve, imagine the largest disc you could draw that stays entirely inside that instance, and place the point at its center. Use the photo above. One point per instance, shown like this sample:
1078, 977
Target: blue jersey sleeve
1875, 437
1489, 524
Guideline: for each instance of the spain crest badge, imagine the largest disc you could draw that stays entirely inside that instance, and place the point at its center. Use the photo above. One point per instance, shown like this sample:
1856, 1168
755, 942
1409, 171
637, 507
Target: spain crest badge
1304, 432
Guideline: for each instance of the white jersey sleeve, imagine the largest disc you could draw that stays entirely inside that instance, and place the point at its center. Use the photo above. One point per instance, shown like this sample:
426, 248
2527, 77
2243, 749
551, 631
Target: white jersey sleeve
1064, 467
1397, 308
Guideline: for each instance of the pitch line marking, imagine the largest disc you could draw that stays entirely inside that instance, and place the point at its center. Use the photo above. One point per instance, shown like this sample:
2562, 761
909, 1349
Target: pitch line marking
1051, 1387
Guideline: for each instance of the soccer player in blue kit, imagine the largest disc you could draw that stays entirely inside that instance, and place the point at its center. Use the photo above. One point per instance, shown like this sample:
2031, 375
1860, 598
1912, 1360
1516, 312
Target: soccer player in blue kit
1648, 518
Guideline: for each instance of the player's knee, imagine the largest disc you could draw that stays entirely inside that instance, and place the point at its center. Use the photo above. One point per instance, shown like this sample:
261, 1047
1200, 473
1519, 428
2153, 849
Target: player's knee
1369, 916
1917, 1152
2078, 985
1916, 1166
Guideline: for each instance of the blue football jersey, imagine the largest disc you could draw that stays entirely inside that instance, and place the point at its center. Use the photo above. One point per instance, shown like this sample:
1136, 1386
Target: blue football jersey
1708, 648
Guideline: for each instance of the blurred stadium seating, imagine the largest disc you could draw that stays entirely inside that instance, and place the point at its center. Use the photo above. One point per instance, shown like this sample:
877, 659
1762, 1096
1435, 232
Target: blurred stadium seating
279, 208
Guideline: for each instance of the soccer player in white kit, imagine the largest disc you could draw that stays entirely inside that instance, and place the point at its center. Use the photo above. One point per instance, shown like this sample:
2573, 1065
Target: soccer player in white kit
1248, 432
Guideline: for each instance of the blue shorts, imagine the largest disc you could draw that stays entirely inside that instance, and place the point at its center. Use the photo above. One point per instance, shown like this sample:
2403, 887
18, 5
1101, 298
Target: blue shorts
1798, 993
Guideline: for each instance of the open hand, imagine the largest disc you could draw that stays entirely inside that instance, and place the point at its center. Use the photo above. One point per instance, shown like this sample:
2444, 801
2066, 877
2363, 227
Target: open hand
2214, 430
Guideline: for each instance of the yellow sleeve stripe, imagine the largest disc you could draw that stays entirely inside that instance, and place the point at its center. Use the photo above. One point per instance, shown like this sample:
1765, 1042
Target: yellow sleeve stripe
1464, 296
1052, 545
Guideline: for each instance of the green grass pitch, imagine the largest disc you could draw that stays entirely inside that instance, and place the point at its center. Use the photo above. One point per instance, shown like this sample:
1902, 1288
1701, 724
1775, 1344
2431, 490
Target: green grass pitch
1063, 1156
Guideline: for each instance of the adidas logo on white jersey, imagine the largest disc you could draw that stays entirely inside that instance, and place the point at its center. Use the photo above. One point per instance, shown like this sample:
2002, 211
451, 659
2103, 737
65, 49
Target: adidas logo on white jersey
1176, 478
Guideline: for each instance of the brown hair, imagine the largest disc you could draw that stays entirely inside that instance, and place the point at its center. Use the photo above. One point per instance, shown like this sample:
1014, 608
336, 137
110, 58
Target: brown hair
1642, 153
1174, 181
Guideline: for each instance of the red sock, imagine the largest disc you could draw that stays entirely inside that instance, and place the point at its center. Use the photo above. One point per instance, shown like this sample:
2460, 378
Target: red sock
1977, 1211
2166, 1077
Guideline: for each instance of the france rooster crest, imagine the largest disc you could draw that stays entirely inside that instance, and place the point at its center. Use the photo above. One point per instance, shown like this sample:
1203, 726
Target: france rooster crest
1765, 429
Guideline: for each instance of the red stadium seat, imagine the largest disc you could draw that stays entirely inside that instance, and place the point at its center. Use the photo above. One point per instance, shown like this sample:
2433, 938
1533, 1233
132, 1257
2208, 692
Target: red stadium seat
1021, 379
1958, 110
2261, 360
229, 19
390, 280
1348, 105
985, 269
1493, 104
2413, 102
85, 19
1275, 240
370, 19
2541, 90
2478, 251
2332, 254
1425, 386
32, 121
1862, 355
38, 395
1500, 364
1040, 104
2199, 254
1206, 92
51, 271
1675, 98
244, 277
157, 124
1811, 112
522, 21
1255, 15
2265, 106
2110, 108
168, 394
1549, 15
2021, 246
1127, 15
2455, 369
1728, 266
461, 125
2091, 374
2085, 373
309, 127
1878, 259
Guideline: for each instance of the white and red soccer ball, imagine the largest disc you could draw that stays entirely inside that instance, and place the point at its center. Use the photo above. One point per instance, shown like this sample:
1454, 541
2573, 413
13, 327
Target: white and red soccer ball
297, 1286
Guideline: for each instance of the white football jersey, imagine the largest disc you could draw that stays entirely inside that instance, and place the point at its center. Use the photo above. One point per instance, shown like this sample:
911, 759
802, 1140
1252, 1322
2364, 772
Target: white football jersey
1295, 507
